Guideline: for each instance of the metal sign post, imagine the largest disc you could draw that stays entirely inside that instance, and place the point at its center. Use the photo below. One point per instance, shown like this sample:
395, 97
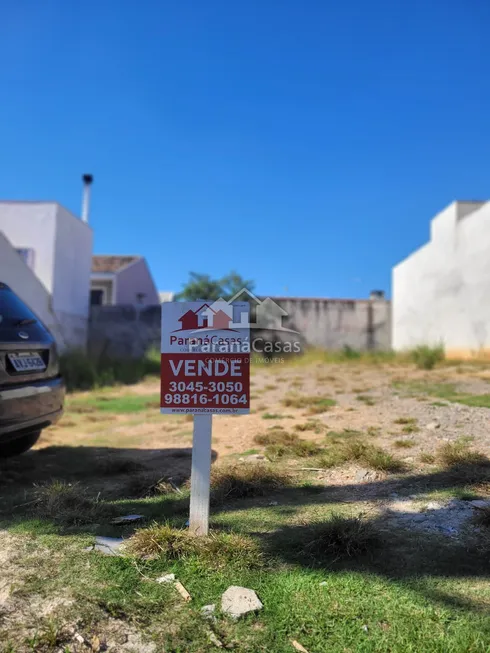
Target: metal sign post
205, 369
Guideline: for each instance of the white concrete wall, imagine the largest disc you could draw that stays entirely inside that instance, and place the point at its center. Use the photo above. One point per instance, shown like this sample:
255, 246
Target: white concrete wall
32, 225
62, 247
15, 273
72, 266
441, 292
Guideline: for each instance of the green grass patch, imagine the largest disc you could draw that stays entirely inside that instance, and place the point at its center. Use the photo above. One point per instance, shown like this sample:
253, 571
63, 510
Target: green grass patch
275, 416
361, 453
426, 358
83, 372
328, 578
403, 444
114, 404
214, 551
315, 405
445, 391
410, 428
311, 425
369, 401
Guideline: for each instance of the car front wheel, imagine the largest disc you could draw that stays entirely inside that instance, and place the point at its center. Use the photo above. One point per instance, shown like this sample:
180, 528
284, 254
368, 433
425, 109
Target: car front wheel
19, 445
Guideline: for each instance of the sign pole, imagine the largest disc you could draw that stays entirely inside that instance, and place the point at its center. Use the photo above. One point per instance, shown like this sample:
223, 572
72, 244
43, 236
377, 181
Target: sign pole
205, 369
200, 474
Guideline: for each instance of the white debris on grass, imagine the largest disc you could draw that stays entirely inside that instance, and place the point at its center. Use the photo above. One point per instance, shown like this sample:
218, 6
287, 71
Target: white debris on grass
167, 578
238, 601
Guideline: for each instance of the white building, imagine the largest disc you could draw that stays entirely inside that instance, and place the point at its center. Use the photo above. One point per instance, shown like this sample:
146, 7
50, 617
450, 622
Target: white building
441, 292
45, 257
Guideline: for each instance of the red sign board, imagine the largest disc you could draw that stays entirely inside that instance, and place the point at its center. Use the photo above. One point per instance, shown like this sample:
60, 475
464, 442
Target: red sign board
205, 364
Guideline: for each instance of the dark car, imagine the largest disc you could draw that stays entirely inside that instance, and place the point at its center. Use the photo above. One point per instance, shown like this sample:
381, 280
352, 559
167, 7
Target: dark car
31, 388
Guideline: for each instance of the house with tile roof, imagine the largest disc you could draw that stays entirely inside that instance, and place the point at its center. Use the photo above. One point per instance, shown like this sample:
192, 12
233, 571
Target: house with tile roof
122, 280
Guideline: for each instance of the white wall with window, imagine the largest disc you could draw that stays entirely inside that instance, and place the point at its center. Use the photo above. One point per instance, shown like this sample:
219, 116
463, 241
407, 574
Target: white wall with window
57, 247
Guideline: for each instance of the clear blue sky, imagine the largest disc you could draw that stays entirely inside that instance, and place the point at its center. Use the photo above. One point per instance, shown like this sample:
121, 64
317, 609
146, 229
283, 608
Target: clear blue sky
304, 144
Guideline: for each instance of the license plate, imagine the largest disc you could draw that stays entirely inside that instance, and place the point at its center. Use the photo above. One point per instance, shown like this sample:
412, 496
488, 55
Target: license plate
29, 362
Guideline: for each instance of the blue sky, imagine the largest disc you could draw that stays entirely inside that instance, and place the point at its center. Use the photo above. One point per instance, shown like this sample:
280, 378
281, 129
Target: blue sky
304, 144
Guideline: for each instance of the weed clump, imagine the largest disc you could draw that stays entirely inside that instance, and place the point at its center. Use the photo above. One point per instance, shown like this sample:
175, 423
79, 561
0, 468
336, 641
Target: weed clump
215, 551
369, 401
404, 444
426, 358
276, 435
311, 425
148, 484
67, 504
405, 420
246, 480
458, 453
360, 452
280, 443
339, 537
315, 405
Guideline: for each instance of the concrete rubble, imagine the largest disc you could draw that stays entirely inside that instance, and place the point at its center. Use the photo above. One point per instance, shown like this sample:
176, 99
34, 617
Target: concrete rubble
238, 601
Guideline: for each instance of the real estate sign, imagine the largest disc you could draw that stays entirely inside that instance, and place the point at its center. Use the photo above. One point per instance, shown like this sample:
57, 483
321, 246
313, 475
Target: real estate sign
205, 358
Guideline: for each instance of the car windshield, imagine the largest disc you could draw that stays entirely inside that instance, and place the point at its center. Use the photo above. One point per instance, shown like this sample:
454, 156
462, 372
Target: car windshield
13, 311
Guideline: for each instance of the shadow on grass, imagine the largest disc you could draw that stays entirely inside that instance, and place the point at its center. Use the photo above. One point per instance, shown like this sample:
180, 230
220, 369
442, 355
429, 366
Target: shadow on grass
397, 550
122, 476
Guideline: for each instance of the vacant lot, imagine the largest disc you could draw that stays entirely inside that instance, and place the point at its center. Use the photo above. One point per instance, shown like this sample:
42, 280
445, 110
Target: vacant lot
352, 500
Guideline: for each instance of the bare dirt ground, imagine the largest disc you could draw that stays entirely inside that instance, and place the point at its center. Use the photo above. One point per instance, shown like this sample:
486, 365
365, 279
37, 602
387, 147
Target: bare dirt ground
387, 404
366, 397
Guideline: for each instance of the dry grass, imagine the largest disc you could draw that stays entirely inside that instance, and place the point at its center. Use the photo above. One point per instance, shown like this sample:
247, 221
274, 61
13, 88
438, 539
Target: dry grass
339, 537
410, 428
275, 416
427, 458
67, 504
216, 551
373, 457
362, 453
279, 444
298, 449
275, 435
148, 484
457, 453
405, 420
368, 401
246, 480
311, 425
314, 405
403, 444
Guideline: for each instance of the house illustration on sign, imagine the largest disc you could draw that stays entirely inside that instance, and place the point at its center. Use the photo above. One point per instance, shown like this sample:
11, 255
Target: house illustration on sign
268, 314
207, 317
225, 315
